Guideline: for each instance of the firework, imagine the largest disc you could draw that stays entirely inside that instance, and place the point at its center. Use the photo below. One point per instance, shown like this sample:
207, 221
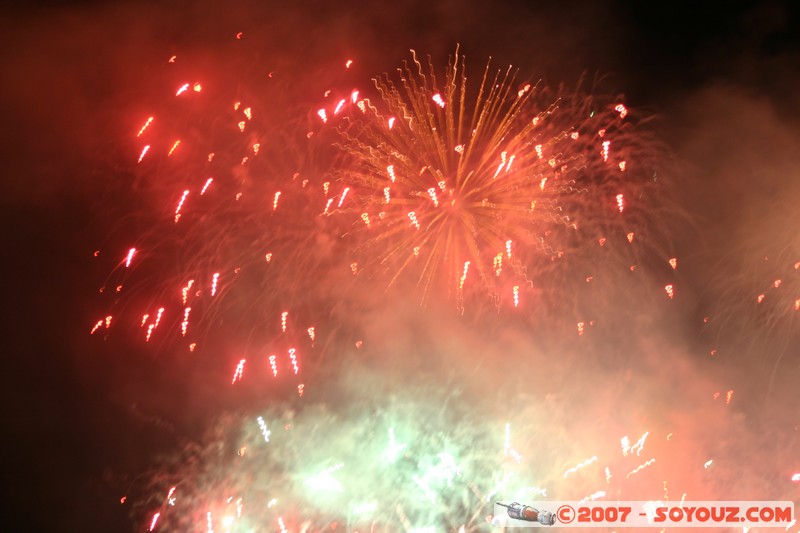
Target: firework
500, 187
227, 248
263, 241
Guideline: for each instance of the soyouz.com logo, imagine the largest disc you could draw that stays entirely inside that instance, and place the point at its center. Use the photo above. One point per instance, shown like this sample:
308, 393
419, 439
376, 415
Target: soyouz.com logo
644, 514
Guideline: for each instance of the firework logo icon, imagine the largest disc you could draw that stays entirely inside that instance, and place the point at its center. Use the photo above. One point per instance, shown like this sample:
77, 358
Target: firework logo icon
527, 513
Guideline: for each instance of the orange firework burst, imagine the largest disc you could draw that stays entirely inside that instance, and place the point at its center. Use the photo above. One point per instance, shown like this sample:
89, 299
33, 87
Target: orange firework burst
757, 307
487, 192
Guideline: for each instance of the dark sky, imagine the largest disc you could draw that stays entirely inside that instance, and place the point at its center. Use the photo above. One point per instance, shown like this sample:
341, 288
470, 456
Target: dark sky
73, 76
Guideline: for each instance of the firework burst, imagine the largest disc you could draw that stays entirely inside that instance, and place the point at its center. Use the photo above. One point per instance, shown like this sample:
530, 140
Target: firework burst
757, 302
228, 247
487, 189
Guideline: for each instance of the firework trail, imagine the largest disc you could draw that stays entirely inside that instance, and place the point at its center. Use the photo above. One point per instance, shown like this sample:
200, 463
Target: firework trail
502, 187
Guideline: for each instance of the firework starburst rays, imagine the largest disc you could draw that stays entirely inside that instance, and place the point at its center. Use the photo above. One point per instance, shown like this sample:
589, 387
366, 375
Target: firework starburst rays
453, 186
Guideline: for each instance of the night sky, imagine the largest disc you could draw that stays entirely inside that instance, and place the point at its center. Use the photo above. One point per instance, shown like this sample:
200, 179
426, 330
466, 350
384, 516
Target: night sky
81, 417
